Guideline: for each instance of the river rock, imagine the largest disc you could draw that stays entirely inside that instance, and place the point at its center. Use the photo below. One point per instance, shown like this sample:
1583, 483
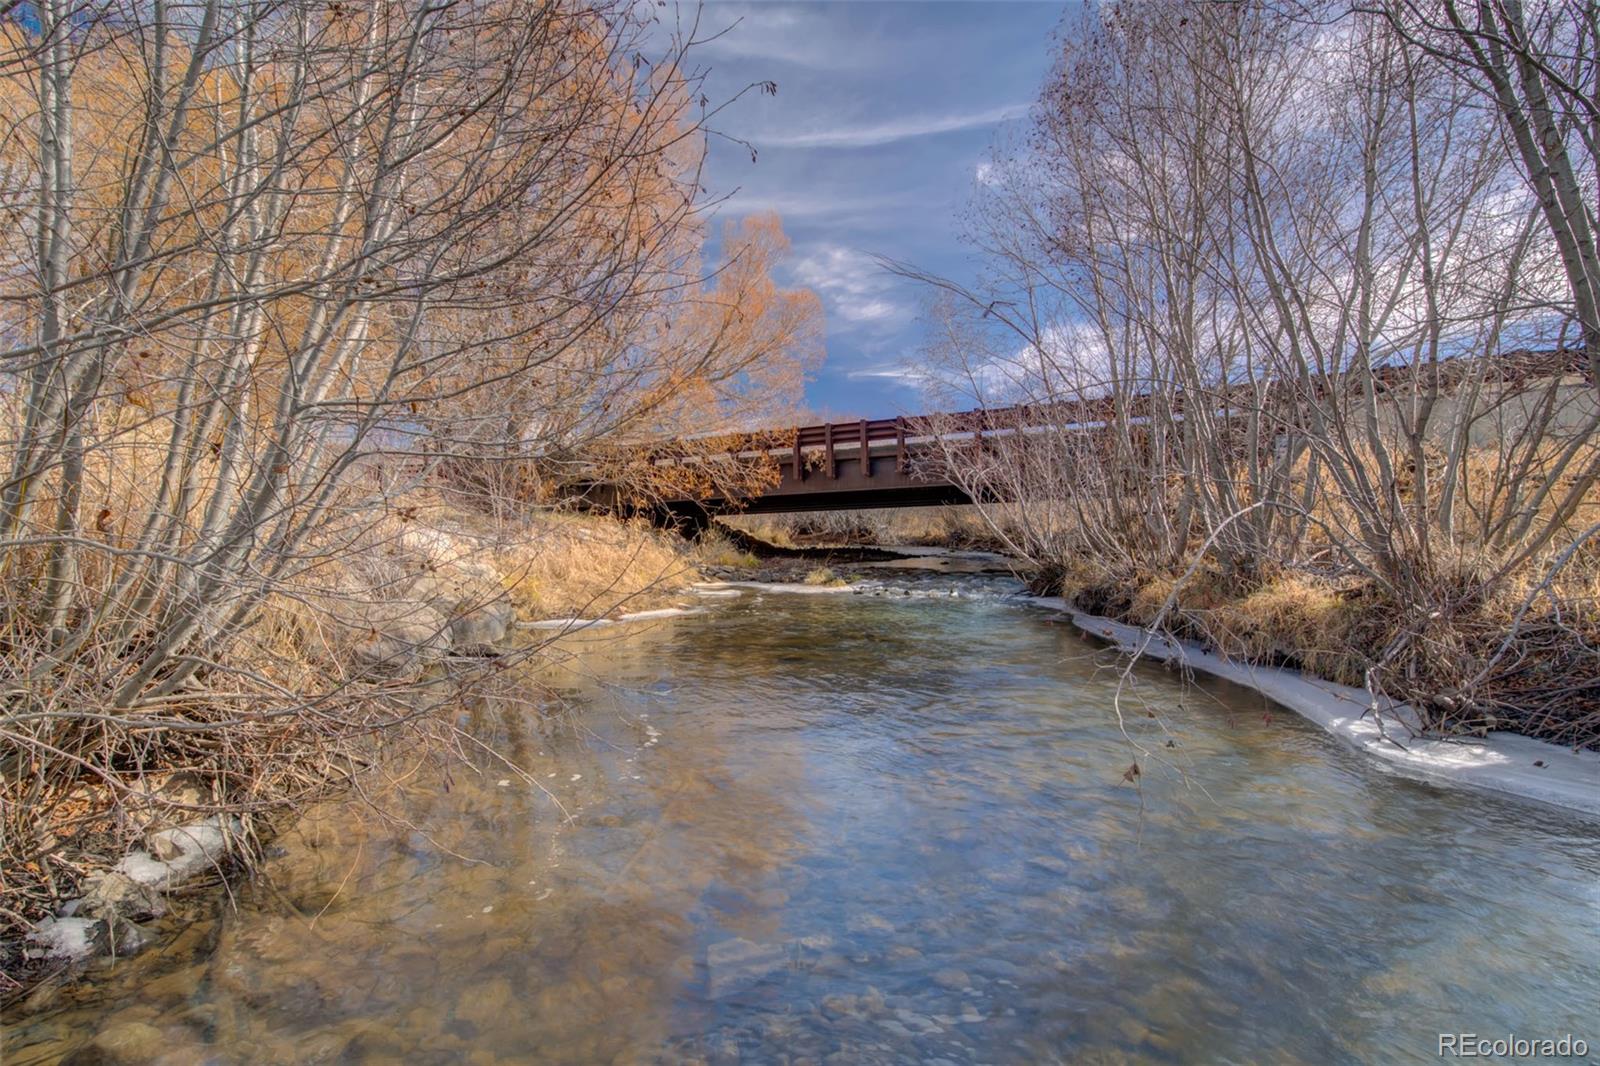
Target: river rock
398, 638
731, 964
472, 599
836, 1007
999, 969
832, 964
486, 1004
124, 1042
102, 922
953, 979
130, 937
115, 895
1050, 864
869, 923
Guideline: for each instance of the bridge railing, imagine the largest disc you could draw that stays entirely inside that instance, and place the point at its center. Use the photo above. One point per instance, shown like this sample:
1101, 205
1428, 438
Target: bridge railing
1090, 412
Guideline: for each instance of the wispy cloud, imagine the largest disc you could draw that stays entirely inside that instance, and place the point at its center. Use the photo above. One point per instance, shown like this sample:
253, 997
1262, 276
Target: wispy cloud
894, 130
852, 285
796, 204
779, 32
910, 376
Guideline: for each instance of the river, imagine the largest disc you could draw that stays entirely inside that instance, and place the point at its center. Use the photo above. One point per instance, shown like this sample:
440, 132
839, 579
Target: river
898, 828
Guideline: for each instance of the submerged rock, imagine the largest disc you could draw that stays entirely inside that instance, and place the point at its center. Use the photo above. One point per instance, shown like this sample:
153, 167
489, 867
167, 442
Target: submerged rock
731, 964
130, 937
123, 1042
836, 1007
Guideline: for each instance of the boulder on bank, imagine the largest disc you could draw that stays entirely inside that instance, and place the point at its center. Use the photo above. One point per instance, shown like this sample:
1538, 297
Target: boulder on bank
114, 895
428, 596
394, 637
472, 599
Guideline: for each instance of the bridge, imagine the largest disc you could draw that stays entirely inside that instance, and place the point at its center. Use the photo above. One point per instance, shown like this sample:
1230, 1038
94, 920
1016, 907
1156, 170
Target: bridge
833, 466
882, 463
857, 464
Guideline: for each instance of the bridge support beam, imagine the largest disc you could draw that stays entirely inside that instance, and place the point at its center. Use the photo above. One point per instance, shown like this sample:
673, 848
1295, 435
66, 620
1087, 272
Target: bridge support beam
688, 518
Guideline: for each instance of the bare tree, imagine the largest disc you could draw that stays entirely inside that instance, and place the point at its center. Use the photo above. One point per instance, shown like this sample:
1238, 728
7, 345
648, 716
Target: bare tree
1271, 301
1541, 69
266, 260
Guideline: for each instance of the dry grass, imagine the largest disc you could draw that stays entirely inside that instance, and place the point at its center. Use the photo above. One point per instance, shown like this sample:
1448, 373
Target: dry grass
822, 577
567, 565
1295, 617
715, 548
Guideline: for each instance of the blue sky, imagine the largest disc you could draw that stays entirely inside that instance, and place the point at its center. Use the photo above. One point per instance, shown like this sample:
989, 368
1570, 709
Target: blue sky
871, 146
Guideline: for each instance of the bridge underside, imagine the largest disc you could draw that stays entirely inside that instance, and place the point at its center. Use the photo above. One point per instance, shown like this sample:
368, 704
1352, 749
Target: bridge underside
848, 500
833, 478
837, 479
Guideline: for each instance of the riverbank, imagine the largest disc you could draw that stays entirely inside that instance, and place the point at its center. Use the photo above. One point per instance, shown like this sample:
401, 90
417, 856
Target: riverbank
1390, 732
438, 603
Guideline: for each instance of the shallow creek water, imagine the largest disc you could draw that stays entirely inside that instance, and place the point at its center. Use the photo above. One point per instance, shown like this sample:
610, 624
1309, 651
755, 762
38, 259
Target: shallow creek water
893, 828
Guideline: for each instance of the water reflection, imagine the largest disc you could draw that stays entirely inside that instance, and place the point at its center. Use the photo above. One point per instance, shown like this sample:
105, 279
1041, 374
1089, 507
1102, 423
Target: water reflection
852, 829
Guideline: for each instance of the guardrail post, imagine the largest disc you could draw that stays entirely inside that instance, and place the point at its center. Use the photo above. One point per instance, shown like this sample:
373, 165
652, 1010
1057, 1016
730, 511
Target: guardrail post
900, 462
799, 461
866, 454
827, 445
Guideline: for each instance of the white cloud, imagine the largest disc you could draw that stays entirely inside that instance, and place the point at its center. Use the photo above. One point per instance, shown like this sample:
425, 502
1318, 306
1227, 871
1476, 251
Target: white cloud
989, 369
901, 129
852, 284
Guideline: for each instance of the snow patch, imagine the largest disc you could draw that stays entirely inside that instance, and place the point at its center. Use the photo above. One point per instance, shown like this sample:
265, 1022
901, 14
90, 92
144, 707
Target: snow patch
588, 623
67, 938
565, 623
193, 848
664, 612
1500, 762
